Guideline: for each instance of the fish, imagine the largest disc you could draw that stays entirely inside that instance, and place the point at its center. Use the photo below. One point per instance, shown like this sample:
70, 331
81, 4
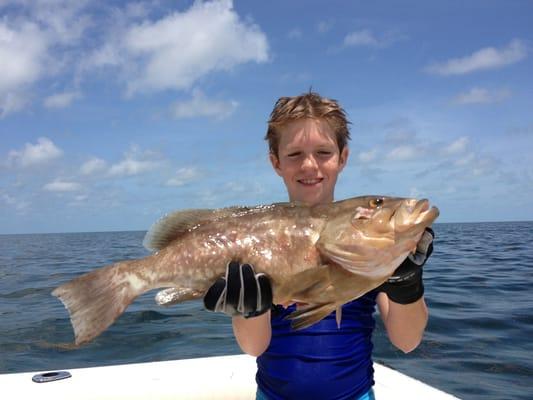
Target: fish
321, 256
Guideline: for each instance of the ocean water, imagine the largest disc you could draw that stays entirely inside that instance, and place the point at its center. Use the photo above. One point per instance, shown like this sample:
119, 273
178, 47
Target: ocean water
478, 344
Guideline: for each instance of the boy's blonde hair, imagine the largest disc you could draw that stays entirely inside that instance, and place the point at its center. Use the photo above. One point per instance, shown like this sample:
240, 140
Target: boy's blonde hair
307, 105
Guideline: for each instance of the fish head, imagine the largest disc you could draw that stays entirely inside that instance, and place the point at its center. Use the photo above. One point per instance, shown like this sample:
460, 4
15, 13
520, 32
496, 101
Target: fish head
390, 218
364, 226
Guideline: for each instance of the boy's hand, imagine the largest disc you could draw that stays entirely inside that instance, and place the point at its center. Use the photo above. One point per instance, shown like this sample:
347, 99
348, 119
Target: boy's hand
405, 286
240, 292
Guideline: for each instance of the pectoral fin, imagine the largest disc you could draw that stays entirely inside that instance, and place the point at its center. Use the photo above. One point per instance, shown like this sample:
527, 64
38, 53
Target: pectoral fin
170, 296
354, 258
338, 316
310, 315
305, 285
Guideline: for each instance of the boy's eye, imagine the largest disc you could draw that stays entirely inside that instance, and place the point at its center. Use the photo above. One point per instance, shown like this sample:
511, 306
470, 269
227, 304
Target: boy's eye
293, 154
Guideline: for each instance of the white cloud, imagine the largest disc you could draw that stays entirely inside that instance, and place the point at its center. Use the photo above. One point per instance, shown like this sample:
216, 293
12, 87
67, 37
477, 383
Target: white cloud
43, 39
130, 167
481, 95
464, 160
61, 186
403, 153
61, 100
33, 37
458, 146
134, 163
486, 58
13, 101
361, 38
367, 38
184, 176
35, 154
20, 206
22, 51
200, 106
367, 156
177, 50
93, 166
23, 54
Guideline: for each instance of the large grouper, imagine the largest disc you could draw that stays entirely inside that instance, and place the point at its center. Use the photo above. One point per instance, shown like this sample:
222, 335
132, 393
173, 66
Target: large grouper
322, 256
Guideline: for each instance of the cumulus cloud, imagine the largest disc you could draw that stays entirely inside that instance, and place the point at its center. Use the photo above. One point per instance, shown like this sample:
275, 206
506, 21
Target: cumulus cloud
43, 39
134, 163
184, 176
361, 38
177, 50
93, 166
61, 100
200, 106
35, 154
481, 96
20, 206
367, 156
458, 146
486, 58
22, 51
60, 186
403, 153
32, 38
367, 38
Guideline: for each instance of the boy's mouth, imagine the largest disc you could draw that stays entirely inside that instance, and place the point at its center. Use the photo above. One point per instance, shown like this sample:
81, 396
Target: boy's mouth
310, 181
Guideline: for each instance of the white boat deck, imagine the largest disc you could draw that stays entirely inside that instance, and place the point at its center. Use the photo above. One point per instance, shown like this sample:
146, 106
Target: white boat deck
227, 377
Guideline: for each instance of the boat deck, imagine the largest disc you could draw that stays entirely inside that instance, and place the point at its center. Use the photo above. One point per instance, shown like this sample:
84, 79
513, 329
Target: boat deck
226, 377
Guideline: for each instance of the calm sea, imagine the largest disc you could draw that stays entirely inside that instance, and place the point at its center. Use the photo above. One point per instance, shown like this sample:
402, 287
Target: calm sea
479, 288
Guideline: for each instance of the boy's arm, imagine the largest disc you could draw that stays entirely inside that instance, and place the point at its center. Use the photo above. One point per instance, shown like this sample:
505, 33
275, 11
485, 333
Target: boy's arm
401, 301
253, 334
405, 323
247, 297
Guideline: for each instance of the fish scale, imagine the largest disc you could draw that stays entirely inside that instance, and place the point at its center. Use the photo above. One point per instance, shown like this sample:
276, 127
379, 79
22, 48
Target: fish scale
323, 256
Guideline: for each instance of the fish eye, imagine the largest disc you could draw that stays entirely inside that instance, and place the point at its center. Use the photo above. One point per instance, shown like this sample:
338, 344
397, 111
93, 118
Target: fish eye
376, 203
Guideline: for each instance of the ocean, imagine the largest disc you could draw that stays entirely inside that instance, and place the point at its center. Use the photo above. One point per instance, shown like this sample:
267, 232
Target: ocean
478, 343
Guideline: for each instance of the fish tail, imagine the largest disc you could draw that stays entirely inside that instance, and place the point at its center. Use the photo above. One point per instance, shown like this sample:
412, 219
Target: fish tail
96, 299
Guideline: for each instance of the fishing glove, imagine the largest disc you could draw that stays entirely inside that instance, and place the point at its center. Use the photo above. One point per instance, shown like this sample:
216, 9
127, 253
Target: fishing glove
240, 292
405, 285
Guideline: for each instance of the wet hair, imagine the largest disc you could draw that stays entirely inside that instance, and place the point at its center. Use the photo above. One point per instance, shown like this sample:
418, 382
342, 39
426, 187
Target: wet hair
307, 105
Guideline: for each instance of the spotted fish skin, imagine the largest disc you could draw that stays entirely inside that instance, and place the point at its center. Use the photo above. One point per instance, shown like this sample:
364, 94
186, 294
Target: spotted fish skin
323, 256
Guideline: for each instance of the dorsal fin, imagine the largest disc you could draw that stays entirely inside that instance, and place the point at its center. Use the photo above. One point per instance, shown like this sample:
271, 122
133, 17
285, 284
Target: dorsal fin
175, 224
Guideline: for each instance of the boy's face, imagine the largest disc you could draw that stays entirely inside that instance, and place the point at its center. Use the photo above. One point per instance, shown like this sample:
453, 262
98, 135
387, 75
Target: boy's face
309, 160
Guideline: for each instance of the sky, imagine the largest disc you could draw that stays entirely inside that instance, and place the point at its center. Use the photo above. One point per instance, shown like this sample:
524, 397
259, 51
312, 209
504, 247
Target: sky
115, 113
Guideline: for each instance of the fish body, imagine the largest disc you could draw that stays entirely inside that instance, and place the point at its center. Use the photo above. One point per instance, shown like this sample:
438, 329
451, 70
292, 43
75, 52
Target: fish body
324, 256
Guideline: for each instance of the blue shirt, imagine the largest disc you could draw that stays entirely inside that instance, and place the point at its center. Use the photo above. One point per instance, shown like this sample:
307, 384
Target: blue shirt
322, 361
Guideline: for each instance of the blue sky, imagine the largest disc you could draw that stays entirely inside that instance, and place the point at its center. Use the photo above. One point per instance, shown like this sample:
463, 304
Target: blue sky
114, 113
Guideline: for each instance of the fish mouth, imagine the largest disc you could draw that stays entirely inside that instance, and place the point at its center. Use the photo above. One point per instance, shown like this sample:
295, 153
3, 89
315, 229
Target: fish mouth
424, 212
413, 213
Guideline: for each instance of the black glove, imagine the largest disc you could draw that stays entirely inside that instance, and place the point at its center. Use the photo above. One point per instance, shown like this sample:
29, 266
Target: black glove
240, 292
405, 286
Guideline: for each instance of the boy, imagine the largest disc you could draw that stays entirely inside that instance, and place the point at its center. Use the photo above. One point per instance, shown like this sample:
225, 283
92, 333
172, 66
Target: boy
307, 138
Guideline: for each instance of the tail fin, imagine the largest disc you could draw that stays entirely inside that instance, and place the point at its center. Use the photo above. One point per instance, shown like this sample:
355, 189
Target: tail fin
95, 300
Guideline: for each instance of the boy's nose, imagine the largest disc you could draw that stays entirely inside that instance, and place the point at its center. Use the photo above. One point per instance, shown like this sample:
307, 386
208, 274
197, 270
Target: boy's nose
309, 162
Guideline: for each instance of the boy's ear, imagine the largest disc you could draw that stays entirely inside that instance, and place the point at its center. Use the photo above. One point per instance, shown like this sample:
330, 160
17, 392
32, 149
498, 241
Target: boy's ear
343, 158
274, 160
